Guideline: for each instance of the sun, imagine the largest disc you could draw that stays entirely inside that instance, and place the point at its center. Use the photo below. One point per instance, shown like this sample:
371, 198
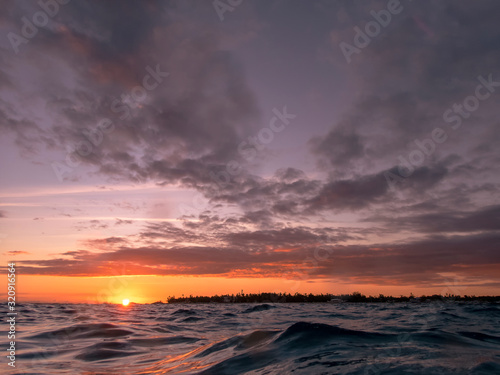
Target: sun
125, 302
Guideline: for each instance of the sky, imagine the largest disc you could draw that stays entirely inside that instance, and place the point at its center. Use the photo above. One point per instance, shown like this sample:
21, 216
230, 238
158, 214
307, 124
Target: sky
159, 148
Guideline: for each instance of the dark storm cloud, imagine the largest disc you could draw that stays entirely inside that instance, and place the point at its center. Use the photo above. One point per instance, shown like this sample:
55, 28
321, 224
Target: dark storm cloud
482, 219
281, 195
260, 217
408, 76
286, 237
349, 194
286, 197
417, 68
341, 145
365, 191
191, 122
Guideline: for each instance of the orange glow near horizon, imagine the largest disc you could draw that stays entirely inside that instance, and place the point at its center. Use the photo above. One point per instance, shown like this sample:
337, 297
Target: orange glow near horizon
148, 289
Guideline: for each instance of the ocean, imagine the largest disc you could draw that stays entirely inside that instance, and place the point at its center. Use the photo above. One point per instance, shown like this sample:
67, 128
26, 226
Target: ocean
310, 338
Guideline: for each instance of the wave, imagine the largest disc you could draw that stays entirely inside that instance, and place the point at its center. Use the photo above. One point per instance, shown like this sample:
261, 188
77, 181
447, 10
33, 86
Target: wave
304, 333
99, 355
80, 331
184, 312
191, 319
298, 339
159, 341
481, 337
257, 308
243, 342
261, 348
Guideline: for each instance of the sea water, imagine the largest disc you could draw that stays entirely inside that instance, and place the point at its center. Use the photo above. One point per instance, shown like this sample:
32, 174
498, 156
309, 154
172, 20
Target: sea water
315, 338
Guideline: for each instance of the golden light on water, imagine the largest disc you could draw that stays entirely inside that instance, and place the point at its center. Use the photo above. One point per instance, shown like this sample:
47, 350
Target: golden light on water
125, 302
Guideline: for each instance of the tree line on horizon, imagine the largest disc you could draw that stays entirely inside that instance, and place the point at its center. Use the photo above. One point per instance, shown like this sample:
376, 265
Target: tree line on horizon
328, 297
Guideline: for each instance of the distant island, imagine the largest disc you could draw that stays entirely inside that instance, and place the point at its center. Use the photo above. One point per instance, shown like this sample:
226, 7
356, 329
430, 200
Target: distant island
355, 297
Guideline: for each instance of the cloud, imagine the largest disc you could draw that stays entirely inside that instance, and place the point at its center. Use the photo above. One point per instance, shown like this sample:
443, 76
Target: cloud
415, 262
16, 252
191, 124
215, 246
194, 118
340, 146
123, 222
286, 197
403, 92
90, 225
349, 194
483, 219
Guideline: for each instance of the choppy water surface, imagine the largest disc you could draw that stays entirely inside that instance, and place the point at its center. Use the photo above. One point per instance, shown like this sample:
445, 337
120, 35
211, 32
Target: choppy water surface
433, 338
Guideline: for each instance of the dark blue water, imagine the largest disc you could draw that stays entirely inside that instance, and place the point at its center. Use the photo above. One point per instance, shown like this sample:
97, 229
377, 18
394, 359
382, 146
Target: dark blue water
427, 338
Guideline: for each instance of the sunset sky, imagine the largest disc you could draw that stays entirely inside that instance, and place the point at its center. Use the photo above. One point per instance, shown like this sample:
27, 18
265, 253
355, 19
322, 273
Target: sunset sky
156, 148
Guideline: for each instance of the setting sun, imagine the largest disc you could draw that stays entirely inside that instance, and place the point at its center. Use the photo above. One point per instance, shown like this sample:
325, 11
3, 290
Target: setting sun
125, 302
